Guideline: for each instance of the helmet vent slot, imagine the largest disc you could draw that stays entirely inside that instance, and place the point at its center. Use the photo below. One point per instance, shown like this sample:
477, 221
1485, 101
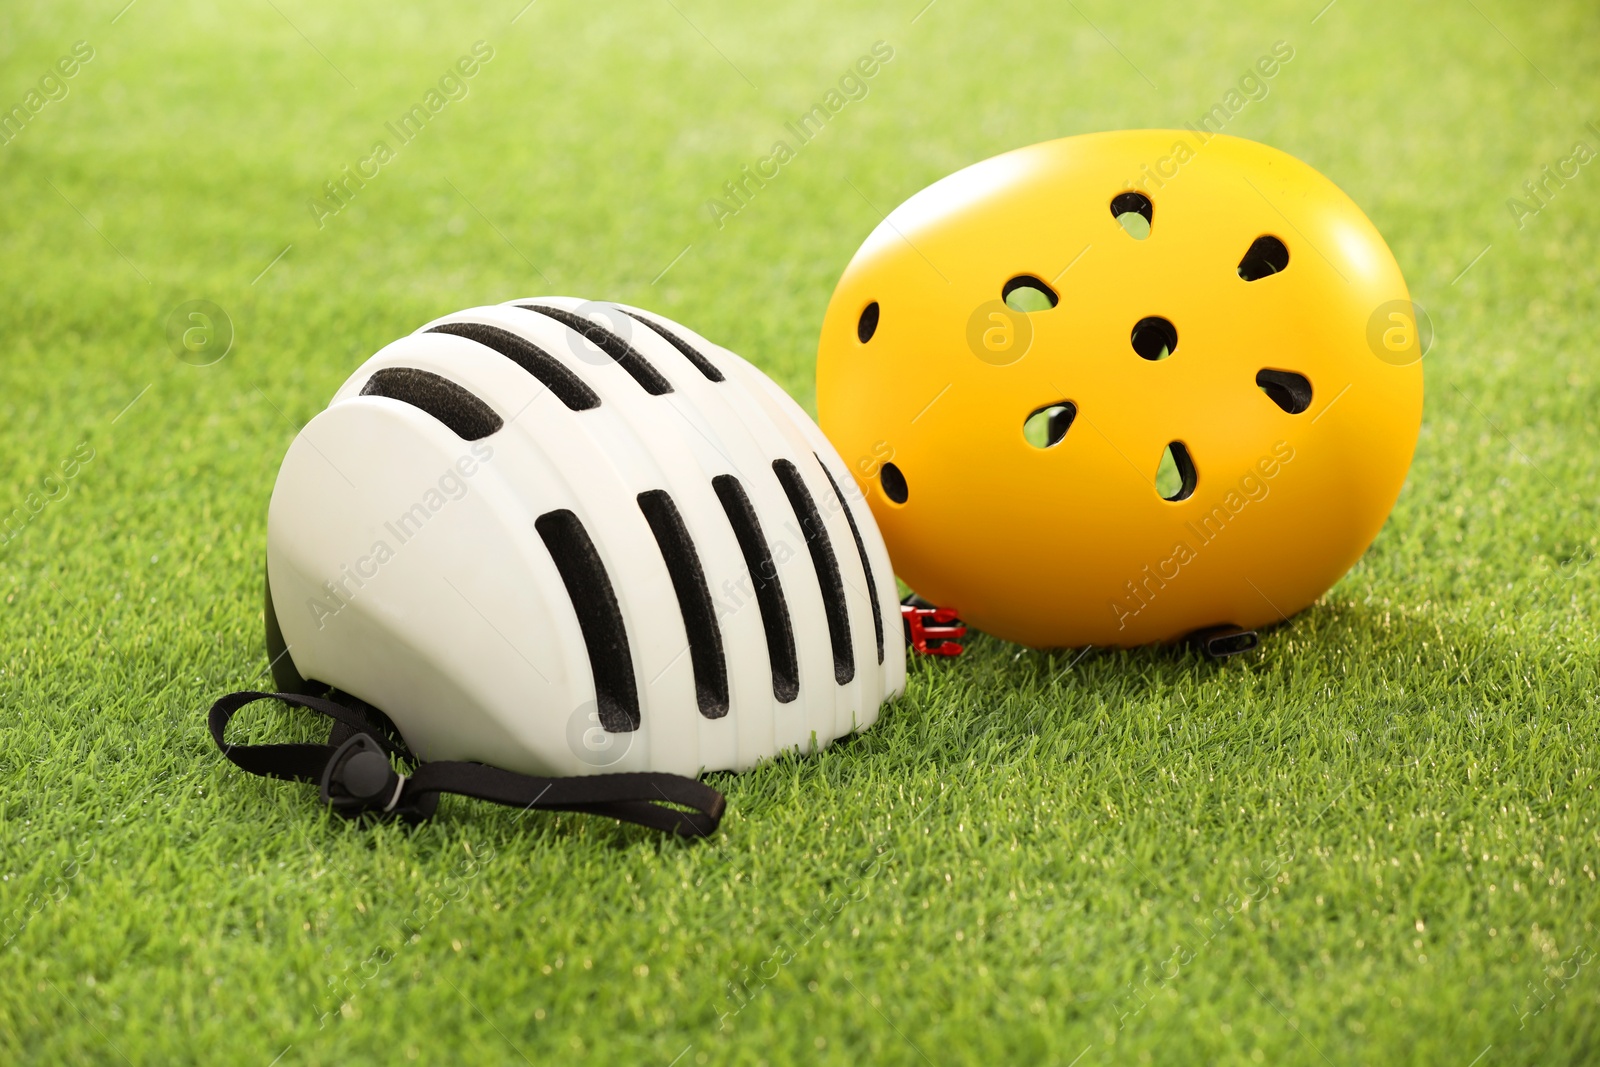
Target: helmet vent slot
1027, 293
867, 324
1288, 390
690, 353
603, 339
893, 483
599, 617
1175, 474
861, 550
769, 593
1154, 338
694, 601
826, 565
1046, 426
1266, 255
1134, 213
460, 409
567, 387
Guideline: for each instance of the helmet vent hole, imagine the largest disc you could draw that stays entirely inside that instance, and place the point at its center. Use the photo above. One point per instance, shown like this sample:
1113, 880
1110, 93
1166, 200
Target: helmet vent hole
1175, 475
861, 550
894, 483
1266, 255
763, 572
458, 408
603, 340
1288, 390
1027, 293
826, 564
867, 324
1133, 213
688, 351
567, 386
1154, 338
694, 601
1048, 425
599, 618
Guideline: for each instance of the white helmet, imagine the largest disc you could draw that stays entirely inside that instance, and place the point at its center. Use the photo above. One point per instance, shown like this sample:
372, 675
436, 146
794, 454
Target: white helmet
563, 538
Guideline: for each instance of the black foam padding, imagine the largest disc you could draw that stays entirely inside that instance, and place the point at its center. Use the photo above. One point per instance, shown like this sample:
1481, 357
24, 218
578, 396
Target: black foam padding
467, 416
627, 357
1288, 390
599, 617
690, 353
861, 550
769, 592
1266, 256
694, 601
567, 386
826, 564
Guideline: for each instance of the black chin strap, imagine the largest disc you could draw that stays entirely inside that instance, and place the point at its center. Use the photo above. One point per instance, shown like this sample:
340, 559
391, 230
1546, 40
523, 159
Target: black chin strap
357, 778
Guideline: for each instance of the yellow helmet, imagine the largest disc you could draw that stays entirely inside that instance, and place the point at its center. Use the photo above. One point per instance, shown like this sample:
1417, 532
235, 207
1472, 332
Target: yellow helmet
1125, 387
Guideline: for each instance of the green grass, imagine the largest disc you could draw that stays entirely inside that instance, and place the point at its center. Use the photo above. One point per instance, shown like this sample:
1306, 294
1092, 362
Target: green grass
1371, 842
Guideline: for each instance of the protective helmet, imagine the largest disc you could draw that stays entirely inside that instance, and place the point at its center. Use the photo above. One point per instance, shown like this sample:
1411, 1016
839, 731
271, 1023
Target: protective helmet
564, 538
1124, 387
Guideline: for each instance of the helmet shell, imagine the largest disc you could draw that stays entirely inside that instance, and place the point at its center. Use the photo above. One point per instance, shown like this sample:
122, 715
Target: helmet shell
926, 379
488, 561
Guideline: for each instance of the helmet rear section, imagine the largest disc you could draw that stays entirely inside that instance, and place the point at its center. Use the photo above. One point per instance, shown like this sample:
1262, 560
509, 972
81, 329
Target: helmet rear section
565, 537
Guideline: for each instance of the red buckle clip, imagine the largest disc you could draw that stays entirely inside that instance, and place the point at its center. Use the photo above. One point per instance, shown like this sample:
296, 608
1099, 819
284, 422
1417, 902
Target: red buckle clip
929, 630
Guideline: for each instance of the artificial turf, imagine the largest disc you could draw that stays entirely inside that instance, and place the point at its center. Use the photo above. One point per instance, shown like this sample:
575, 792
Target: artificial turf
1372, 841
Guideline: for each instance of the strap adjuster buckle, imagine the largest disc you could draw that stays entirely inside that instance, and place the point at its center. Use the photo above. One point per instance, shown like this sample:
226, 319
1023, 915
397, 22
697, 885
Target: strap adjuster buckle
932, 631
359, 781
1220, 642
